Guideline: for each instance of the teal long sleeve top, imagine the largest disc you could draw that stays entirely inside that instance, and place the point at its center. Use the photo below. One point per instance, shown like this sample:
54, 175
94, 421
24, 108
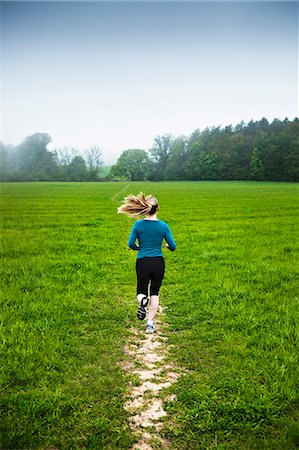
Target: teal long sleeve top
150, 235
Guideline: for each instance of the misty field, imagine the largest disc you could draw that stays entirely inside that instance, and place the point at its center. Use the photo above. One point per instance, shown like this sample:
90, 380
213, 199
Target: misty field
230, 296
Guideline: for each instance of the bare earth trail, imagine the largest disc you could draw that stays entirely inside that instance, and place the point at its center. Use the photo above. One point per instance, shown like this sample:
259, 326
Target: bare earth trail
146, 356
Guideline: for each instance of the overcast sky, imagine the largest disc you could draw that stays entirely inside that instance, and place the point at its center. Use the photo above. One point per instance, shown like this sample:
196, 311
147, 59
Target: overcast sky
117, 74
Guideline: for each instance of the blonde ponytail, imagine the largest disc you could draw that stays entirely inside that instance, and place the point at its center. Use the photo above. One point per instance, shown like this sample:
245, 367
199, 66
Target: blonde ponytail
138, 205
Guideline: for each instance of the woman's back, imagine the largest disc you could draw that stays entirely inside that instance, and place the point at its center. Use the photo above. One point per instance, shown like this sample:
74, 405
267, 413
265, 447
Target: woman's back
150, 235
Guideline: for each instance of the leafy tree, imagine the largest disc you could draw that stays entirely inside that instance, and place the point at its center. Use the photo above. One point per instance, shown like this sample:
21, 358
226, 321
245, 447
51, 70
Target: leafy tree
175, 167
292, 156
240, 149
77, 169
204, 158
274, 147
133, 165
292, 161
256, 165
196, 146
3, 161
34, 160
240, 127
160, 152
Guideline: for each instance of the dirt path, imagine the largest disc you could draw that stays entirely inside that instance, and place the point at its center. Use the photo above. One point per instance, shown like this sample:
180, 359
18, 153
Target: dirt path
146, 355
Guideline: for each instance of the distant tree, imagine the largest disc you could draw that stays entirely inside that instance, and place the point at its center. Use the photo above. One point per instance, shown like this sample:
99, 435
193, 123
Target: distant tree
3, 161
9, 163
160, 152
276, 126
292, 161
196, 146
194, 137
207, 166
240, 126
292, 156
64, 157
256, 165
133, 165
104, 173
33, 160
175, 167
94, 161
204, 159
239, 150
263, 124
78, 170
274, 147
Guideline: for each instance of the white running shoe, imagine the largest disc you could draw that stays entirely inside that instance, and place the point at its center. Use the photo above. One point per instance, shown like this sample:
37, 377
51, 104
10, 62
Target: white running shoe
150, 328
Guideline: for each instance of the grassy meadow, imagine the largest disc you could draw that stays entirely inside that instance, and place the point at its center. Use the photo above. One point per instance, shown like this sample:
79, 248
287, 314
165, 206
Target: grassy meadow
231, 301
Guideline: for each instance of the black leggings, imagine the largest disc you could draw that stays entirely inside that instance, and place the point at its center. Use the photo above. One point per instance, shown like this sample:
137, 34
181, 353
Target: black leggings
150, 270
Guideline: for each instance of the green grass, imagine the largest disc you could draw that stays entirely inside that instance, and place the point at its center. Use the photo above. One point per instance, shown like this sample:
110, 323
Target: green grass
231, 297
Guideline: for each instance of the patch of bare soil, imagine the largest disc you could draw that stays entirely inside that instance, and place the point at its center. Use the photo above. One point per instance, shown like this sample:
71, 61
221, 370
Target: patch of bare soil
146, 358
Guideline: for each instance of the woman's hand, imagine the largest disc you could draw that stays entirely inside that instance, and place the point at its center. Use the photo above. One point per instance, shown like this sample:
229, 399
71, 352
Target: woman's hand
167, 246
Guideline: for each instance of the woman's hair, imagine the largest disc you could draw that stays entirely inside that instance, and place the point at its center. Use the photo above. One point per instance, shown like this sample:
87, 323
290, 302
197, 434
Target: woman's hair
138, 205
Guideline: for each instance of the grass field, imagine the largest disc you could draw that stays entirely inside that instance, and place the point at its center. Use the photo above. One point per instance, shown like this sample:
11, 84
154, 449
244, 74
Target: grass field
230, 296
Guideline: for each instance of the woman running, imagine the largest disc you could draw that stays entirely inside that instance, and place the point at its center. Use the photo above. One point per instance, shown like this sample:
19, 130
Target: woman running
150, 266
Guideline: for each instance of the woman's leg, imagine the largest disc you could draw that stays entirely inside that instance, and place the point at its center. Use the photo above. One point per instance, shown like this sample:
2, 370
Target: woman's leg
153, 307
140, 297
143, 277
156, 281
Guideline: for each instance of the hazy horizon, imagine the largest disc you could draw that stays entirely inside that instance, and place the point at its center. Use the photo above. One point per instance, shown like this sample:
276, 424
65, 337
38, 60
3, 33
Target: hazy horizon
118, 74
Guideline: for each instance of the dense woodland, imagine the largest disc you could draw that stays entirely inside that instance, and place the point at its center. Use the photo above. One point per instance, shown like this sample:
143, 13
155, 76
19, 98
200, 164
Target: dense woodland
258, 150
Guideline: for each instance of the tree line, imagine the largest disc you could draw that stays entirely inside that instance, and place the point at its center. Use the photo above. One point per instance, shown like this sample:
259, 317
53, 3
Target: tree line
32, 161
258, 150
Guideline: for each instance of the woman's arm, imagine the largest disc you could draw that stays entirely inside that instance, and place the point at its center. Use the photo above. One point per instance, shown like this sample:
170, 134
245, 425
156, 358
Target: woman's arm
132, 239
169, 239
